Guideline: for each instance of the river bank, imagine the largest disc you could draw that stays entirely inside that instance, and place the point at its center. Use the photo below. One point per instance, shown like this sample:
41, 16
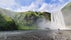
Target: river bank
36, 35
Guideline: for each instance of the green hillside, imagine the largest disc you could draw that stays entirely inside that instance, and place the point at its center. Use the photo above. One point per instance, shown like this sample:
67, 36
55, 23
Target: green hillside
10, 20
6, 23
28, 20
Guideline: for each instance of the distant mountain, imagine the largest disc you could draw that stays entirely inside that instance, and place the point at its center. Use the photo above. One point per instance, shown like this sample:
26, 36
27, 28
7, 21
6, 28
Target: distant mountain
7, 12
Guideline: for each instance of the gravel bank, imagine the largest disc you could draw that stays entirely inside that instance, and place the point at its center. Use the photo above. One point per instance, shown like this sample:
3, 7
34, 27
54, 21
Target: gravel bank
36, 35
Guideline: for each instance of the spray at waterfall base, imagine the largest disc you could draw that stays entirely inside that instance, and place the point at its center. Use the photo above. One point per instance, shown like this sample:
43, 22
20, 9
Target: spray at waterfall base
56, 22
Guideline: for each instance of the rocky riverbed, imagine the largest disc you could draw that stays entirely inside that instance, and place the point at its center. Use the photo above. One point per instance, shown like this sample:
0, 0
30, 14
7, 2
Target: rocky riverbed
36, 35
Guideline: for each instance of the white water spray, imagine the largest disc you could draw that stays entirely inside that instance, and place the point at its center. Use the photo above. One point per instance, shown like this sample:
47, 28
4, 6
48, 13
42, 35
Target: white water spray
43, 23
57, 20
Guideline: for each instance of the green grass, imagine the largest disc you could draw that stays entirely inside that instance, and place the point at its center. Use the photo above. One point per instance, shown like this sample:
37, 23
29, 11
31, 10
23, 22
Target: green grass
27, 27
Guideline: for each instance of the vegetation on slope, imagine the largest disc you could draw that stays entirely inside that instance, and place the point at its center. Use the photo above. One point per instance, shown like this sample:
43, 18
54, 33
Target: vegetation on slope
27, 20
21, 21
6, 23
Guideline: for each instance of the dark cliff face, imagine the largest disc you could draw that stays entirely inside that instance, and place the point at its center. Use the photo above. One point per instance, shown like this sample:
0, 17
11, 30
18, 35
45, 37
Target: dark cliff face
28, 20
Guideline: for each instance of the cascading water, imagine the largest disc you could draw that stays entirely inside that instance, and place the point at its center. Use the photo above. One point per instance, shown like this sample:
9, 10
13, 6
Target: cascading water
57, 20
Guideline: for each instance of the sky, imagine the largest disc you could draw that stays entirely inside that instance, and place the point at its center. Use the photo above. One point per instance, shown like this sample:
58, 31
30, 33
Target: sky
32, 5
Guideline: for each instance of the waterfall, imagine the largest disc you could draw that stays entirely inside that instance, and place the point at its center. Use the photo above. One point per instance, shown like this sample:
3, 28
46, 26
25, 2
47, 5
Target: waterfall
57, 20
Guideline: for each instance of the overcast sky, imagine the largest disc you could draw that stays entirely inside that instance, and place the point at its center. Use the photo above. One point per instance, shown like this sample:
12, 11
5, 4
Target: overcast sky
33, 5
